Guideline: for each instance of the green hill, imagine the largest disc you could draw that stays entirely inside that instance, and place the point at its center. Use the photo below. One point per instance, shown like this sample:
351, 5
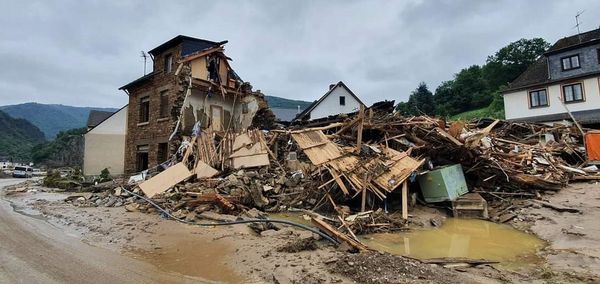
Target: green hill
277, 102
18, 137
51, 118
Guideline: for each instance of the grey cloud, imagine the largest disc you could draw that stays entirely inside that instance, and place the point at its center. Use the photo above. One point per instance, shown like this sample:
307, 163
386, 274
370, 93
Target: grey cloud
81, 52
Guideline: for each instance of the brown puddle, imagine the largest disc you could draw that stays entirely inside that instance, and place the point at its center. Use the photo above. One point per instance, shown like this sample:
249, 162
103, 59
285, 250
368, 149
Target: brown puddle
199, 258
470, 238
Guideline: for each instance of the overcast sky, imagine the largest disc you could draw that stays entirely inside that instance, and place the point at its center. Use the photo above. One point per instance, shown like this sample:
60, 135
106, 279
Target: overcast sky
80, 52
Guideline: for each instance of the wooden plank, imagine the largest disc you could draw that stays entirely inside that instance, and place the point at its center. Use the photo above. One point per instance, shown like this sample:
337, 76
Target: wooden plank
251, 161
405, 200
165, 180
338, 180
557, 207
255, 149
361, 116
241, 141
203, 170
334, 233
448, 136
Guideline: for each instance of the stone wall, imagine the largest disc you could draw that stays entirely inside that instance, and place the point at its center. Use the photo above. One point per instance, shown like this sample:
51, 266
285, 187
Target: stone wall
157, 129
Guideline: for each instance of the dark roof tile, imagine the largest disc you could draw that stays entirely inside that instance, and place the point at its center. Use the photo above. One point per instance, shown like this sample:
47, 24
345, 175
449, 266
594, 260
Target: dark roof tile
575, 40
96, 117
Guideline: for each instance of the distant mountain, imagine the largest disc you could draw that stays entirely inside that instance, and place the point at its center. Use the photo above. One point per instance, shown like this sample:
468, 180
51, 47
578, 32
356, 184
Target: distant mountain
50, 118
277, 102
18, 137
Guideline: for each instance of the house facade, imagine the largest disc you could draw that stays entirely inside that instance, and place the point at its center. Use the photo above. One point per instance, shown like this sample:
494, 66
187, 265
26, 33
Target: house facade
567, 76
338, 99
192, 81
104, 146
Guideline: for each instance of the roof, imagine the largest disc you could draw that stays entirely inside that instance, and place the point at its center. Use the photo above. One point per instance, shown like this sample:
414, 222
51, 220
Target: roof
96, 117
90, 128
137, 81
314, 104
537, 73
193, 45
575, 41
284, 114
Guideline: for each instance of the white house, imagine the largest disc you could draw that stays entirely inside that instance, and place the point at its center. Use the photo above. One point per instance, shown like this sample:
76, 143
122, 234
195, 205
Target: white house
568, 74
105, 145
339, 99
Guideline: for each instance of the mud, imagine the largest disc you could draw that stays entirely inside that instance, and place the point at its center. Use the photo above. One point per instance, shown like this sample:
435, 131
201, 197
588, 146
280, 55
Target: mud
237, 254
574, 239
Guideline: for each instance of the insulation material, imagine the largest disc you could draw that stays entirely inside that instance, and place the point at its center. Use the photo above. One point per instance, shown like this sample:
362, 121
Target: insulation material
250, 150
203, 170
165, 180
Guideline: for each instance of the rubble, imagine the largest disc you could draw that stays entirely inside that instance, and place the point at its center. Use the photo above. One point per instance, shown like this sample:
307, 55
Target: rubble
360, 167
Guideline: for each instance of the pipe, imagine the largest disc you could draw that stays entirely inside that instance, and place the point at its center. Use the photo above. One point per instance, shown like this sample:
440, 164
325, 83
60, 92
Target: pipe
325, 236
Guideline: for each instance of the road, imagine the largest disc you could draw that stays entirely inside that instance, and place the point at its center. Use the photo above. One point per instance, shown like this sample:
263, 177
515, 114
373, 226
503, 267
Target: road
34, 251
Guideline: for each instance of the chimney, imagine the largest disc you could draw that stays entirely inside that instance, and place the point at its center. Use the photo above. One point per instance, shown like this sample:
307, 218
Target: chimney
331, 86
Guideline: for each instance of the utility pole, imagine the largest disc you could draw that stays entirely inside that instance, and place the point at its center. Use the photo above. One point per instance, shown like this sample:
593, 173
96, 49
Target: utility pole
145, 57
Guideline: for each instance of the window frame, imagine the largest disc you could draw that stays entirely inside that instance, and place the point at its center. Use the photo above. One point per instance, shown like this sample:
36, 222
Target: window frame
342, 100
563, 93
144, 104
570, 57
598, 54
162, 152
163, 104
537, 91
142, 153
168, 68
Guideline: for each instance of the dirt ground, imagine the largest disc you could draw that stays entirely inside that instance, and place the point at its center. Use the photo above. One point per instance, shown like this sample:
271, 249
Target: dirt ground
573, 238
236, 254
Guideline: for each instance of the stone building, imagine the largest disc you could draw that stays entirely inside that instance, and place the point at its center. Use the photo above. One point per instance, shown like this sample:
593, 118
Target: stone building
192, 81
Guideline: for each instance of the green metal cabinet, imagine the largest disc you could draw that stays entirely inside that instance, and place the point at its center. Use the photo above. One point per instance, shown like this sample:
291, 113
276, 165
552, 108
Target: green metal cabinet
443, 184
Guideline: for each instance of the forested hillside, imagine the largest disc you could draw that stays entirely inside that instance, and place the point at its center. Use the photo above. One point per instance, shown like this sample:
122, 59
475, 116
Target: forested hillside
52, 119
17, 138
476, 87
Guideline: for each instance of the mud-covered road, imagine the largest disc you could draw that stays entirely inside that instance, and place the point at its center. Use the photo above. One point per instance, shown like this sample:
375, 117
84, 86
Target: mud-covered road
34, 251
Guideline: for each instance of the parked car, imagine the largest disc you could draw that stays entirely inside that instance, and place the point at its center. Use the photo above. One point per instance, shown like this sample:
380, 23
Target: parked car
23, 172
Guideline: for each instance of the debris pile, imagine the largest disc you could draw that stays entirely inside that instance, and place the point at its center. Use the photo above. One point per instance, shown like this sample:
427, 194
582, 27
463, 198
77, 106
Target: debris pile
363, 162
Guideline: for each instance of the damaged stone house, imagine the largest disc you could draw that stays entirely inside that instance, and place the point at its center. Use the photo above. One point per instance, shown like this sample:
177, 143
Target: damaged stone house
192, 81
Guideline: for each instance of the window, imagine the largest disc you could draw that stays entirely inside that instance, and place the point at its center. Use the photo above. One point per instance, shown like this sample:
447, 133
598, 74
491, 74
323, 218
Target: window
144, 110
162, 154
570, 62
244, 108
538, 98
168, 63
164, 104
572, 93
342, 100
598, 55
142, 158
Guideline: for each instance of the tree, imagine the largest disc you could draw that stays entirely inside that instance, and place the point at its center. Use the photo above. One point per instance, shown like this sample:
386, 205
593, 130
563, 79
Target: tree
419, 102
512, 60
471, 89
444, 99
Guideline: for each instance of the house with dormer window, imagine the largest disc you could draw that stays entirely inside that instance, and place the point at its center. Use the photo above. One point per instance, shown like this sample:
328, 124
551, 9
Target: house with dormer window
192, 82
567, 76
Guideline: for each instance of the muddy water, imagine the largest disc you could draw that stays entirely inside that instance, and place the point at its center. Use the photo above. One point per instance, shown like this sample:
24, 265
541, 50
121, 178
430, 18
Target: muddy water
469, 238
200, 258
297, 217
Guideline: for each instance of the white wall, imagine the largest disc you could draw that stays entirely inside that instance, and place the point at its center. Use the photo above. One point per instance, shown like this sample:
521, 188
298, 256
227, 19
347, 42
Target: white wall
331, 104
105, 145
516, 104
